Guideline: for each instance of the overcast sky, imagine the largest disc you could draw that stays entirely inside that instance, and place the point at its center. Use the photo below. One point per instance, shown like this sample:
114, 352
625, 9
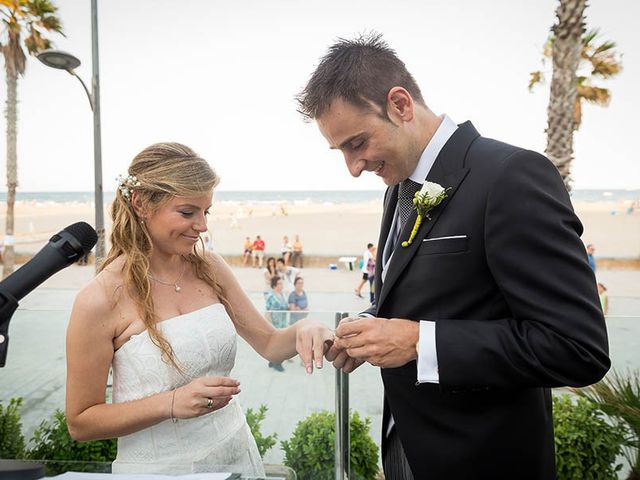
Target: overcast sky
221, 76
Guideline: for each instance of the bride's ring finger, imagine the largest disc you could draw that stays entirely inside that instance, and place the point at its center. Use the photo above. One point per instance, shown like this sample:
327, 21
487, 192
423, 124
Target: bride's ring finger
210, 403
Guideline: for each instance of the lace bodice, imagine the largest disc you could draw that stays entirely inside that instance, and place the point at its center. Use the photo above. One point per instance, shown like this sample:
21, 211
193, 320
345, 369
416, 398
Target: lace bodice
204, 342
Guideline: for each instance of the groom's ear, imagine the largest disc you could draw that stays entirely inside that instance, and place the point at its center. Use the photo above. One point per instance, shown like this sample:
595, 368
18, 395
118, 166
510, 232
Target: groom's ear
399, 105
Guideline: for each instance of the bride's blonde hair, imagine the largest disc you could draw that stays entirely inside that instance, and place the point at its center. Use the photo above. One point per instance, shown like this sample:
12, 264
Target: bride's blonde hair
156, 175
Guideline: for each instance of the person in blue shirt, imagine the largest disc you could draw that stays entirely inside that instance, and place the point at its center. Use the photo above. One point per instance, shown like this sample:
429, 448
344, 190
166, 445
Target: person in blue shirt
277, 307
298, 301
590, 257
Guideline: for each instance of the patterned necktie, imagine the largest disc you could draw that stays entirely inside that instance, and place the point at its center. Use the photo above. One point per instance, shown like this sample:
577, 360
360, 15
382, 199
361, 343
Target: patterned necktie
406, 192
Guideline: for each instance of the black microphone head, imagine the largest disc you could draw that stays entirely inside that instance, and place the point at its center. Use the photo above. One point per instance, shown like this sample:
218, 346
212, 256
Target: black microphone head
75, 240
85, 234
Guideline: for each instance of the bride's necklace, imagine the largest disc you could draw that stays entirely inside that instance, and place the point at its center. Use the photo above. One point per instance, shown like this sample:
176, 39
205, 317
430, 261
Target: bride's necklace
170, 284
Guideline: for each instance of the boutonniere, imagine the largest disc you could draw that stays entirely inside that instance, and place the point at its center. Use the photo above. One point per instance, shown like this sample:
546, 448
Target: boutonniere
430, 196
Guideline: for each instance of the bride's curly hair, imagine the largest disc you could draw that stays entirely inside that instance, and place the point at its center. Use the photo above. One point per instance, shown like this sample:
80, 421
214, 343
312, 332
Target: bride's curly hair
156, 175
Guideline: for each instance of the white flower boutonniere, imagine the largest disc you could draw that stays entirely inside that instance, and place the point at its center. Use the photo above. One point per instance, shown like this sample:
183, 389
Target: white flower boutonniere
430, 196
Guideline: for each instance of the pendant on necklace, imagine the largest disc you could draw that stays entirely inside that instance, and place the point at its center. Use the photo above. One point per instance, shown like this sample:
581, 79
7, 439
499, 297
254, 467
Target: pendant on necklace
177, 288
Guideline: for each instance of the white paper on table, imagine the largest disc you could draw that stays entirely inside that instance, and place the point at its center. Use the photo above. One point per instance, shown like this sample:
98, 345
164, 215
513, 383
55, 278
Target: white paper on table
144, 476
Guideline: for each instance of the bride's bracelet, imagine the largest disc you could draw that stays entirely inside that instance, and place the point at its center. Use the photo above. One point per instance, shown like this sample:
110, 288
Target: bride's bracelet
173, 399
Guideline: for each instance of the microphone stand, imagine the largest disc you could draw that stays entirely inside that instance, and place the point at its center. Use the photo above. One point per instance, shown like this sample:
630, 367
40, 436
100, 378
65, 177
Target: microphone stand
14, 469
8, 305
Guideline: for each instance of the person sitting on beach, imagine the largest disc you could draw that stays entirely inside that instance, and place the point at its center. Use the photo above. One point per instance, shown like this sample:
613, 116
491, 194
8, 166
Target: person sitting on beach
296, 255
258, 251
165, 315
247, 252
298, 301
277, 307
286, 249
269, 272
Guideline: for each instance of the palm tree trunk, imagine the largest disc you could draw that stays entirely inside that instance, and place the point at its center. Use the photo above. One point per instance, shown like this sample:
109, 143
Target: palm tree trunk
566, 56
11, 114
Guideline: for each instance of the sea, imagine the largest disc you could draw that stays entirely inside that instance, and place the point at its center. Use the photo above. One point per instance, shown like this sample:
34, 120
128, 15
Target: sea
305, 196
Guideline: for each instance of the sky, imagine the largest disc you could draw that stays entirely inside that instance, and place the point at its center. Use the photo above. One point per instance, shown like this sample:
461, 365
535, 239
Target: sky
221, 77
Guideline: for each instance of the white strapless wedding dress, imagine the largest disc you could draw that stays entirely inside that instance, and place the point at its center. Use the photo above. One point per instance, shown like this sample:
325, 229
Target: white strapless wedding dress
204, 342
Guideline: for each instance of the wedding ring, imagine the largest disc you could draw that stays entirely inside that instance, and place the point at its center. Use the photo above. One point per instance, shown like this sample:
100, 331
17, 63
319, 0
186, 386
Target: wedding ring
210, 403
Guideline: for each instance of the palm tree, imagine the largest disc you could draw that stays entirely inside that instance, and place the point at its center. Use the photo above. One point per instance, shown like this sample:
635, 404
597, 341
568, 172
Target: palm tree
602, 62
565, 54
29, 19
597, 61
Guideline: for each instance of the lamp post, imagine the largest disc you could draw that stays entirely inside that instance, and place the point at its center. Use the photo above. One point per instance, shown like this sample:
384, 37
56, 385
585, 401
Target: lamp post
65, 61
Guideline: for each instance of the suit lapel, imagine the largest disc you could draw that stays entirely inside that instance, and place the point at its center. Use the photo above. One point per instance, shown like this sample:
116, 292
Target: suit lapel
449, 171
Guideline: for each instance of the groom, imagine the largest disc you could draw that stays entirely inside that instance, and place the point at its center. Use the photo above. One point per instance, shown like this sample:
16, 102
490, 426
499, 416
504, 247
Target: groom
491, 305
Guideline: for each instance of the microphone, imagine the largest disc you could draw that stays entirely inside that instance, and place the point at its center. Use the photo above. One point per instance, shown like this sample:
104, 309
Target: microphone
64, 248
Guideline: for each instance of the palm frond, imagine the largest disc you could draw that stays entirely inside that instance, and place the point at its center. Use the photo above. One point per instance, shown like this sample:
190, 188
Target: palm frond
51, 23
605, 47
37, 18
589, 36
606, 66
40, 8
596, 95
619, 397
547, 50
535, 78
35, 42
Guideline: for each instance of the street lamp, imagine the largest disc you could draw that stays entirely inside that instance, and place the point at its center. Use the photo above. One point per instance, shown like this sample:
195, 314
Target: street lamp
65, 61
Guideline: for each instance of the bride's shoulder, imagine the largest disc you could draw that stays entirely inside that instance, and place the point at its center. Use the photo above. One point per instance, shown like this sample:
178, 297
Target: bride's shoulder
103, 292
220, 267
217, 263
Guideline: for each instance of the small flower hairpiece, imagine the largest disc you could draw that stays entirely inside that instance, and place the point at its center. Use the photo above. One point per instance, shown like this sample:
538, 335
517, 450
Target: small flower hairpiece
126, 185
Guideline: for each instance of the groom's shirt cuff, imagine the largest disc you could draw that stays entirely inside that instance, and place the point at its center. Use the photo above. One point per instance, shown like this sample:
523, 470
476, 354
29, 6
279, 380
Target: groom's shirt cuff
427, 355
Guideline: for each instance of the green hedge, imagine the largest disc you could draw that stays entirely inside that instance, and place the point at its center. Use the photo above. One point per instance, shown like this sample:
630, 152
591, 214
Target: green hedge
310, 450
52, 443
11, 438
586, 445
254, 420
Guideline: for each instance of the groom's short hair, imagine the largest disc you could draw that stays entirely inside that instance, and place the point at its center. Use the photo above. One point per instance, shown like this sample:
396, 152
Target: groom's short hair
361, 72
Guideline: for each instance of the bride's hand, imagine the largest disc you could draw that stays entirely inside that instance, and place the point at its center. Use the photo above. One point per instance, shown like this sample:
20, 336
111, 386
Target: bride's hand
313, 339
203, 395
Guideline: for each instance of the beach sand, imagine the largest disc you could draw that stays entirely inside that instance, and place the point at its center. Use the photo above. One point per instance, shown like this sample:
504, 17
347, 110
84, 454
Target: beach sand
326, 229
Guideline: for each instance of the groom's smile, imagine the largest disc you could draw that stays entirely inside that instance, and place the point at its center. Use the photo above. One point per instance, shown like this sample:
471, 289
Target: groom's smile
369, 141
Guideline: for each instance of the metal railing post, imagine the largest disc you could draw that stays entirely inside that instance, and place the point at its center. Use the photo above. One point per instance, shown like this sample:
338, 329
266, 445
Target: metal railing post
342, 447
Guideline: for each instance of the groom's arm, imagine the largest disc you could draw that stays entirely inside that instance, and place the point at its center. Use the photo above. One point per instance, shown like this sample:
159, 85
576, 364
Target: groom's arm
556, 333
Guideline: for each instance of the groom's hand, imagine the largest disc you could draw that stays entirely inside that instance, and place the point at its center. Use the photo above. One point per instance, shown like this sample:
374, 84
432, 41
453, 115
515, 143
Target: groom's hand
341, 360
382, 342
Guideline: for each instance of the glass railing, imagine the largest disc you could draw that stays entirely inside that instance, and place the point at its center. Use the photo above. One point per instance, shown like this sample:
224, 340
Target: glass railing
35, 372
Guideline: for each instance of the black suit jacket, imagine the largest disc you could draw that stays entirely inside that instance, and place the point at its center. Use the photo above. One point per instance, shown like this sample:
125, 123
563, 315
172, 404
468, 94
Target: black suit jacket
516, 312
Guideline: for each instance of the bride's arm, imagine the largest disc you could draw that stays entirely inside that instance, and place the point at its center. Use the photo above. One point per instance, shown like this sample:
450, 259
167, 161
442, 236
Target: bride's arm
90, 351
306, 337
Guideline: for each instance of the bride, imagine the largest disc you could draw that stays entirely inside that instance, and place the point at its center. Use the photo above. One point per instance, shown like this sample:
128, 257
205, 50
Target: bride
164, 313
